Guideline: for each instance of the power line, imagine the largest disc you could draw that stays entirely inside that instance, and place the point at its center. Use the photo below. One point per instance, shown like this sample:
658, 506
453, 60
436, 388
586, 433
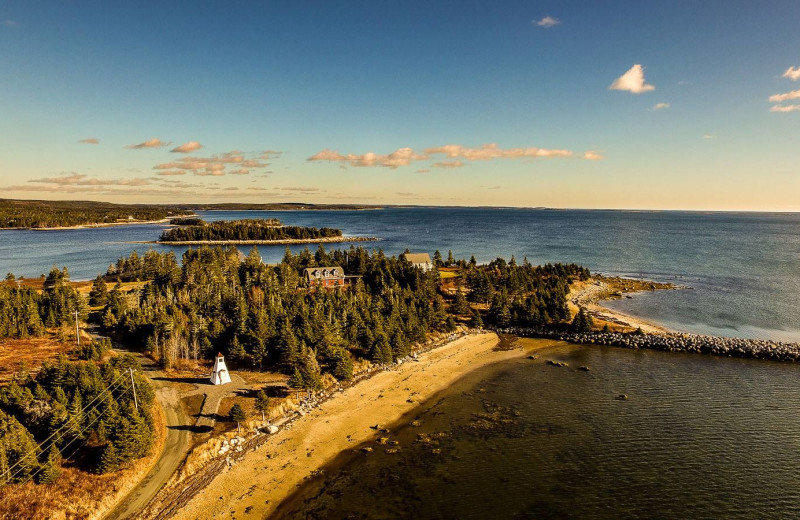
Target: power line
77, 437
67, 423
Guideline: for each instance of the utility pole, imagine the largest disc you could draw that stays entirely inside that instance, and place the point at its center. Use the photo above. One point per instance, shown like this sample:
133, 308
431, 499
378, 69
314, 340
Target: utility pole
133, 385
77, 331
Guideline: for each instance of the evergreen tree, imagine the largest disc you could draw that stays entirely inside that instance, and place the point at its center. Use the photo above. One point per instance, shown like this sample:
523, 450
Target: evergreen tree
99, 293
262, 404
51, 468
237, 414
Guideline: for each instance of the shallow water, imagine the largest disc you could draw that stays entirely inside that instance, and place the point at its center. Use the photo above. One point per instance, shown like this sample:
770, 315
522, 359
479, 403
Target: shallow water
744, 269
698, 437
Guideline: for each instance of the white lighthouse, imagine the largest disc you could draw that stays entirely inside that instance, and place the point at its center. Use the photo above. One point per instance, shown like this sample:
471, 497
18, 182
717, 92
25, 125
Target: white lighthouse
220, 375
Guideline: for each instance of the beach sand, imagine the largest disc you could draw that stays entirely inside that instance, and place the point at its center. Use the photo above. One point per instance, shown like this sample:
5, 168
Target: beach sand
256, 485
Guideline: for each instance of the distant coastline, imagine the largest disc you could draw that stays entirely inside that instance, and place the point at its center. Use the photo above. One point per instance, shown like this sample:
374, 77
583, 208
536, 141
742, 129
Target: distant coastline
89, 226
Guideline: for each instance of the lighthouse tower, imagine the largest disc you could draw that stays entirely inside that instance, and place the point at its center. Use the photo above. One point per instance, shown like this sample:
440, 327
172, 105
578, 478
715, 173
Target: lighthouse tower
220, 375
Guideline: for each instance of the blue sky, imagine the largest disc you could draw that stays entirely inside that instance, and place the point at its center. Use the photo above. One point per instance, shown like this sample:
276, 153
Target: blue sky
449, 103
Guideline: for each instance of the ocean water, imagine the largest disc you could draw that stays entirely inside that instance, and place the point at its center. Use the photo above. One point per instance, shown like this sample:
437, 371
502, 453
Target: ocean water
698, 437
743, 269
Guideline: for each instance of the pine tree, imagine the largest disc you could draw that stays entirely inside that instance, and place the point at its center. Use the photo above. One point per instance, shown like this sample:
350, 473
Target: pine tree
99, 293
296, 380
476, 321
109, 460
312, 376
342, 365
51, 468
262, 404
460, 305
237, 414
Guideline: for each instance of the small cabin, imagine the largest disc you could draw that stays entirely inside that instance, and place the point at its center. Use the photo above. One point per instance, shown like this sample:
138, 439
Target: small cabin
326, 277
421, 260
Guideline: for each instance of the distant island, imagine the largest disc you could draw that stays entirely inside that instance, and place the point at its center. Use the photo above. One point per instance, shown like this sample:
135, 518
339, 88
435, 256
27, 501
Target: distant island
249, 232
53, 214
49, 214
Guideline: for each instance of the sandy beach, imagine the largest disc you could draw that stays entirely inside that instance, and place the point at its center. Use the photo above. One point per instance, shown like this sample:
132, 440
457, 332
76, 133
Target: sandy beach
256, 485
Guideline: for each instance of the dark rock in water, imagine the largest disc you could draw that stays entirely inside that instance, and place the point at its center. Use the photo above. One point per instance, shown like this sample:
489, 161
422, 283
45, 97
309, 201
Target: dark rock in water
622, 397
584, 368
532, 357
556, 363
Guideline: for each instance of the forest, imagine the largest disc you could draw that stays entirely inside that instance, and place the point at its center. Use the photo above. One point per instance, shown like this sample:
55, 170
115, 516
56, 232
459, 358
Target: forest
78, 412
49, 213
260, 316
264, 316
245, 230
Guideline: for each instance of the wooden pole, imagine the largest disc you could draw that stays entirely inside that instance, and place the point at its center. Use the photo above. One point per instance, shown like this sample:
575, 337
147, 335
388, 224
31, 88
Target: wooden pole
77, 331
133, 385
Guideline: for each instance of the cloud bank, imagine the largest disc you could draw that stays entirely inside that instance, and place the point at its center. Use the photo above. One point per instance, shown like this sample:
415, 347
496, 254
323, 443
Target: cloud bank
457, 152
90, 140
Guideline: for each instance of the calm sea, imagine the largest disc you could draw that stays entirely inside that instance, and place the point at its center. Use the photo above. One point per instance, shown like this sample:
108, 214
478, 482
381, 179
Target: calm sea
743, 269
698, 437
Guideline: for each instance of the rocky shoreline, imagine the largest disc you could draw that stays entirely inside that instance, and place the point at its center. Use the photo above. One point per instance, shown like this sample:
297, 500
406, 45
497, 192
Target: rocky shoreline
672, 342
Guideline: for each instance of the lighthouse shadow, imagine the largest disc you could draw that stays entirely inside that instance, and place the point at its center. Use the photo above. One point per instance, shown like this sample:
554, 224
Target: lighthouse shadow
192, 428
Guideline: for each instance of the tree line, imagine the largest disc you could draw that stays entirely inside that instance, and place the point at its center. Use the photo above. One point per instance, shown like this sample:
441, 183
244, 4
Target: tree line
246, 229
41, 213
24, 312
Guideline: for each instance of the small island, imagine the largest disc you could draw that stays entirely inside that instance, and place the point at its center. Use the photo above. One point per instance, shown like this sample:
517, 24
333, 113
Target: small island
250, 232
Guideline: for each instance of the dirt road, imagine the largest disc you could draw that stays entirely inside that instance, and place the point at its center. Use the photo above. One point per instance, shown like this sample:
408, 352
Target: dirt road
176, 446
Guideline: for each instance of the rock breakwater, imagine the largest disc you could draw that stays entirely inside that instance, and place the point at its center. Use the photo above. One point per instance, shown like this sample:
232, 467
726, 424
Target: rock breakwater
673, 342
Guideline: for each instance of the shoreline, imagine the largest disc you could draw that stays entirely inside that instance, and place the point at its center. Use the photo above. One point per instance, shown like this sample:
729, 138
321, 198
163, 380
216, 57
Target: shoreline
283, 241
590, 296
90, 226
344, 421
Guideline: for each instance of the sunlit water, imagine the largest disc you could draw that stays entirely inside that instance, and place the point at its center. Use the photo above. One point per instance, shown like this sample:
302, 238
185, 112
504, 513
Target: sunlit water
698, 437
744, 269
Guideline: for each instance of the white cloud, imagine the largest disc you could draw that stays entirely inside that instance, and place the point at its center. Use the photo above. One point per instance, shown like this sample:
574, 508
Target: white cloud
779, 98
90, 140
632, 81
660, 106
150, 143
592, 156
187, 147
547, 22
785, 108
709, 136
793, 73
448, 164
